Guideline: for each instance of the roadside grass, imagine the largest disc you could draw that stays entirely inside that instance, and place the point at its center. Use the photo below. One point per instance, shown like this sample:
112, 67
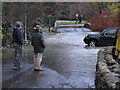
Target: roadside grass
71, 23
7, 54
67, 22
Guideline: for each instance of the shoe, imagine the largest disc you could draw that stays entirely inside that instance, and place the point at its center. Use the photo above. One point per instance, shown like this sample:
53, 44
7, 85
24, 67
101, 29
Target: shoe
41, 69
17, 68
38, 69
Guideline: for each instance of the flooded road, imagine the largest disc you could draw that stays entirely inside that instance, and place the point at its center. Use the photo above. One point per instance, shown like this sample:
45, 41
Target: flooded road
67, 63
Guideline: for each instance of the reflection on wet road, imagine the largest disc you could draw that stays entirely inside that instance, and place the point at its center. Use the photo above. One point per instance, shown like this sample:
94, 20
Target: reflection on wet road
66, 63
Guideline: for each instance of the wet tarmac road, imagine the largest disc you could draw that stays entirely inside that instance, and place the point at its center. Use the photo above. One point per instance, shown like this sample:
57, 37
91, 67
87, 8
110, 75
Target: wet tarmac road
67, 63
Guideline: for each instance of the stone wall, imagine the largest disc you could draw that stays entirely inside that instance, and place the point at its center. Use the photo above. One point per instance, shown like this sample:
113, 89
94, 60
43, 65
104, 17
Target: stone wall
107, 70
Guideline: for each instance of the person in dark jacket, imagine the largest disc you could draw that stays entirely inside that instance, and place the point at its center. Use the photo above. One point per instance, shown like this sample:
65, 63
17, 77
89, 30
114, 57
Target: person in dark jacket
18, 42
38, 46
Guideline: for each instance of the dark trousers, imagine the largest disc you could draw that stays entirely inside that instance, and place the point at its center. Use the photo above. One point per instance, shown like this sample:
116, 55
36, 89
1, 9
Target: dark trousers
18, 55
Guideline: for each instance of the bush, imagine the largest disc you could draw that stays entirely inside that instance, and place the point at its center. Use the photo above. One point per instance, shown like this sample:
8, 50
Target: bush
100, 22
7, 34
64, 17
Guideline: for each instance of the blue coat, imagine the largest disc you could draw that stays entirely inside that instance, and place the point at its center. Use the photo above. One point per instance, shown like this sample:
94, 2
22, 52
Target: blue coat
17, 36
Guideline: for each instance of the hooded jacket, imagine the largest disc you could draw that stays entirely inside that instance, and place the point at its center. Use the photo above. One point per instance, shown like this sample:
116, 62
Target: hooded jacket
17, 36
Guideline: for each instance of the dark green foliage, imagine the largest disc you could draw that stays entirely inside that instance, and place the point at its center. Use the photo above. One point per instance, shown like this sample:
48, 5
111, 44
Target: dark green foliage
7, 34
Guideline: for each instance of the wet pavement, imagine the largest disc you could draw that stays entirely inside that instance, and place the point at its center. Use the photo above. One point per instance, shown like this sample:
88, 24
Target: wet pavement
67, 63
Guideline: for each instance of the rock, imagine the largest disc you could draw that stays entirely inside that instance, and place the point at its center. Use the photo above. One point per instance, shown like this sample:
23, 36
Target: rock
108, 75
102, 65
108, 57
111, 63
101, 55
107, 69
117, 85
111, 81
109, 49
113, 66
115, 70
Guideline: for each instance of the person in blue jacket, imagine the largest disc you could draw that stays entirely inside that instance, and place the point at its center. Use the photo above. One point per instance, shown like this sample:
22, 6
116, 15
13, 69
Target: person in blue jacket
18, 44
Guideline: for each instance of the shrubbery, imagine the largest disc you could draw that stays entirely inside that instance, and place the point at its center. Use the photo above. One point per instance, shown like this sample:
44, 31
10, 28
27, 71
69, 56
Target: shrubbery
63, 17
6, 34
100, 22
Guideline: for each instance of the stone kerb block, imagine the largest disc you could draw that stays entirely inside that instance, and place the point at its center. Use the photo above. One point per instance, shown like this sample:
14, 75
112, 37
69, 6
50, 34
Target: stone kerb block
109, 49
101, 57
111, 81
109, 59
108, 69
